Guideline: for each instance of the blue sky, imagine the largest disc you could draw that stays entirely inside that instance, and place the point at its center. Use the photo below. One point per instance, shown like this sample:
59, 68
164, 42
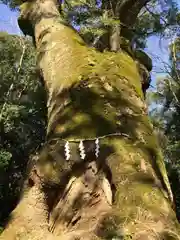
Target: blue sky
8, 20
157, 49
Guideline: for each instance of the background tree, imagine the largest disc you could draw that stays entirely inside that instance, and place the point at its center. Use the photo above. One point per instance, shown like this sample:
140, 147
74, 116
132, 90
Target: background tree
22, 115
165, 116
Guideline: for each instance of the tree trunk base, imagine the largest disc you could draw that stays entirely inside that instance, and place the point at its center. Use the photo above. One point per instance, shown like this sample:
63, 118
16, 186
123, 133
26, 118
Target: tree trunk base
74, 213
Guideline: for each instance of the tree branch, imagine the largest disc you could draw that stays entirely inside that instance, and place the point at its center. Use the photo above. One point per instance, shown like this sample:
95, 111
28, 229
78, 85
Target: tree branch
128, 10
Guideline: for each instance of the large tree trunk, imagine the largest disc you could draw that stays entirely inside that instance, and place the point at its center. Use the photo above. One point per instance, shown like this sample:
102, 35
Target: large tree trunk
124, 192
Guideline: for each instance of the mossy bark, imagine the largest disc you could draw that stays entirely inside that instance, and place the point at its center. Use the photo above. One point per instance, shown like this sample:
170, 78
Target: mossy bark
124, 193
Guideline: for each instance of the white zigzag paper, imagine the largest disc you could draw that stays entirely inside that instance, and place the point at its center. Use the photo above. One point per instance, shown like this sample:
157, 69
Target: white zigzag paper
67, 151
97, 148
82, 150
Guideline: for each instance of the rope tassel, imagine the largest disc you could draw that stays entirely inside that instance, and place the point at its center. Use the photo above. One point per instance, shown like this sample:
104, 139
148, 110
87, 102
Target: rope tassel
67, 151
97, 149
82, 150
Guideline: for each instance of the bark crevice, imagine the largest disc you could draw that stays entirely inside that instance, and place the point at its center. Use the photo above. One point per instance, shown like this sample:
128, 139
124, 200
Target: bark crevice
80, 200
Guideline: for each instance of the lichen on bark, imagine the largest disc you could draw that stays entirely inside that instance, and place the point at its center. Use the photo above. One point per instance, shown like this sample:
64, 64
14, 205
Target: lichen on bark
124, 192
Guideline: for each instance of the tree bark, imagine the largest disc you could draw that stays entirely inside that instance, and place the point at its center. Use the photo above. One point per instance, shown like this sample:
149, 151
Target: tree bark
124, 192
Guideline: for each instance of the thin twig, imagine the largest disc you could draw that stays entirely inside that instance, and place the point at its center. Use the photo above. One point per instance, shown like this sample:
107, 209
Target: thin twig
174, 94
154, 16
174, 58
12, 84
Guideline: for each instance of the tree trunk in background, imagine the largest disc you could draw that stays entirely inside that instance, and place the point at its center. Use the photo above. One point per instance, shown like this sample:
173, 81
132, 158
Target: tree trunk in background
124, 192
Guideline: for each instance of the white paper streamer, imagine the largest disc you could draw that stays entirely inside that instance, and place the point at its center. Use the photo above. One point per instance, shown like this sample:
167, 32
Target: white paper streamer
97, 148
67, 151
82, 150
